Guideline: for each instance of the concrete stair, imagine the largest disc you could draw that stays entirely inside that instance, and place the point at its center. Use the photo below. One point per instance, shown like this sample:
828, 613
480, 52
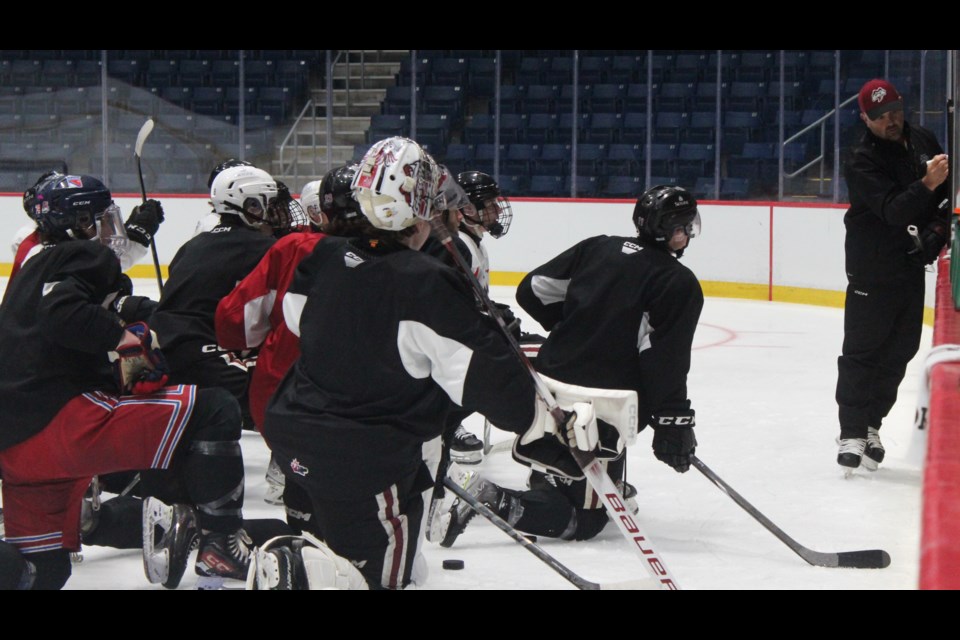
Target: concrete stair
360, 80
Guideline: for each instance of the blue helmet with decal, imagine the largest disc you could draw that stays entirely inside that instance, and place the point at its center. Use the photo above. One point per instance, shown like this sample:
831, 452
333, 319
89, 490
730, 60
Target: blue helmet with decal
68, 206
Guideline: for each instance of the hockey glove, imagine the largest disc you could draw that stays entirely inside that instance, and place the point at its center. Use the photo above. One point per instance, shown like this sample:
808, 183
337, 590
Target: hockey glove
673, 438
511, 321
144, 221
579, 428
933, 238
139, 366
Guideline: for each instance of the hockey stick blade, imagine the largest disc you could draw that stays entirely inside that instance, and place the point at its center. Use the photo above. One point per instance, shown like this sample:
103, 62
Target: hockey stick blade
867, 559
574, 579
145, 131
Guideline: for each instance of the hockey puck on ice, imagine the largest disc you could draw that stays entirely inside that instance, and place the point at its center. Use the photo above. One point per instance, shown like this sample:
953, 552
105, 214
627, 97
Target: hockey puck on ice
532, 539
453, 565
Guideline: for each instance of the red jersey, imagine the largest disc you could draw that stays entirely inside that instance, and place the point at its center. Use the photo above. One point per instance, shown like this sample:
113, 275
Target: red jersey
251, 316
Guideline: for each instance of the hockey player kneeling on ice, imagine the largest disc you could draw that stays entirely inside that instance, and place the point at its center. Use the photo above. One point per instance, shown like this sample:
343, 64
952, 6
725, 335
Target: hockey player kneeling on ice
621, 314
253, 209
70, 414
251, 316
391, 340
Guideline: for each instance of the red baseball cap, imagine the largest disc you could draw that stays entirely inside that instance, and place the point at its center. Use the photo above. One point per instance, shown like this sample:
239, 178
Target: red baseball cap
878, 97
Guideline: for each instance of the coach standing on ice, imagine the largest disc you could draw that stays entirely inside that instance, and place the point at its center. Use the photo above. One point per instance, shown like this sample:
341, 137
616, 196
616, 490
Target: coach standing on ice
897, 223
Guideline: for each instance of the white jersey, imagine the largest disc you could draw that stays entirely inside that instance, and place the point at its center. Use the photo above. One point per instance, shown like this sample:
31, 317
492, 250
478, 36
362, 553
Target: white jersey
20, 235
479, 259
207, 223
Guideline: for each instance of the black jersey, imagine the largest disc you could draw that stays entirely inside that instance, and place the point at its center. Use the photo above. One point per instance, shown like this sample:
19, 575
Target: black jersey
205, 270
56, 327
391, 341
621, 314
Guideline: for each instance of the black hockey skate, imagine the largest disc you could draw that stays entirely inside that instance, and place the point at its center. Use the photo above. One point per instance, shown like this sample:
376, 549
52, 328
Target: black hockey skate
873, 452
223, 558
850, 454
465, 448
455, 521
169, 535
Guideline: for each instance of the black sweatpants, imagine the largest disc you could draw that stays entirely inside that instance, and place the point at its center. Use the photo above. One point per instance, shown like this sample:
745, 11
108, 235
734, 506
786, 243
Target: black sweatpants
882, 324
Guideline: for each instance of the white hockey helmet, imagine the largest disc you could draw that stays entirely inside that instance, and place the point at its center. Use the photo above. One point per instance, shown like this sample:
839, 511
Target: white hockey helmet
246, 192
310, 201
396, 184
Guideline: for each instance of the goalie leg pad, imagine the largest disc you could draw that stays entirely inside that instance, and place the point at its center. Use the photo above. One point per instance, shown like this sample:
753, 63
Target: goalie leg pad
301, 562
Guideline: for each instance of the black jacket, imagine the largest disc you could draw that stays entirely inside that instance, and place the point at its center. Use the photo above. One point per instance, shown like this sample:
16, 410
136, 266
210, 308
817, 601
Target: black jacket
391, 342
56, 326
621, 314
886, 195
205, 270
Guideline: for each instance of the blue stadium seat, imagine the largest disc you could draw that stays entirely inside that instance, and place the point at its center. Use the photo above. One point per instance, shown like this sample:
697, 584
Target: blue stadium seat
604, 128
546, 186
554, 159
623, 187
541, 128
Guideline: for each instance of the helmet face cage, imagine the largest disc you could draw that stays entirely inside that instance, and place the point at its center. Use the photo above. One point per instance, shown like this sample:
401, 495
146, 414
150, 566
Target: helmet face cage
492, 211
396, 184
284, 213
111, 231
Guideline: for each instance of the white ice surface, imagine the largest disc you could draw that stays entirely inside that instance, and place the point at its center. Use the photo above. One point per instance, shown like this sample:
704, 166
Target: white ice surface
762, 382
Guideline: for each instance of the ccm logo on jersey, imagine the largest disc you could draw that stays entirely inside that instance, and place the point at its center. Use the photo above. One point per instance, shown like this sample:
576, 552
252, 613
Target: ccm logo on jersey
630, 247
861, 293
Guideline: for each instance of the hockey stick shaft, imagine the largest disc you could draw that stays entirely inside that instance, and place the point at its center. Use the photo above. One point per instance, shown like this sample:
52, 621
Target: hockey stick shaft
573, 578
593, 470
867, 559
145, 131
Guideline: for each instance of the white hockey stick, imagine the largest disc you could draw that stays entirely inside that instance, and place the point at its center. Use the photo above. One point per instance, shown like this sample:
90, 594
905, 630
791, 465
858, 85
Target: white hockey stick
592, 469
145, 131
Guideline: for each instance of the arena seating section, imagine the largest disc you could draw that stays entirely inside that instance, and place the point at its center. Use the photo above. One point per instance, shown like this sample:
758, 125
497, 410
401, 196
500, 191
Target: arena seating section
50, 106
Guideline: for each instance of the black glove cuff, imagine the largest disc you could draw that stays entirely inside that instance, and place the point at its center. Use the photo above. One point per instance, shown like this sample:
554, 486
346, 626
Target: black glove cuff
138, 234
678, 418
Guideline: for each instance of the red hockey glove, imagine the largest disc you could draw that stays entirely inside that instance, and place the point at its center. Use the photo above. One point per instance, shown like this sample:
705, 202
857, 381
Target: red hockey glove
139, 366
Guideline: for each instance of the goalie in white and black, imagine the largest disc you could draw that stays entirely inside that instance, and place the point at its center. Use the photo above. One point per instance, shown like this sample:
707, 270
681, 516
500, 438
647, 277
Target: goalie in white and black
622, 314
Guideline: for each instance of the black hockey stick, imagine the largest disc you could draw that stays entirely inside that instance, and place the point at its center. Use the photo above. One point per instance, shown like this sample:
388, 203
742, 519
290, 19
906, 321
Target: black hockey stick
574, 579
145, 131
867, 559
592, 468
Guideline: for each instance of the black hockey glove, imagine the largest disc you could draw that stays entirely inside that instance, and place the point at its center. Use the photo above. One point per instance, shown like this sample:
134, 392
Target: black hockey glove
673, 438
144, 221
933, 238
509, 319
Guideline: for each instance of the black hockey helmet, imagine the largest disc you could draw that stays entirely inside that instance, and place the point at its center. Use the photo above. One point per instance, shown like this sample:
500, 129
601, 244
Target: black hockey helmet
336, 193
663, 209
69, 206
226, 164
494, 212
30, 195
